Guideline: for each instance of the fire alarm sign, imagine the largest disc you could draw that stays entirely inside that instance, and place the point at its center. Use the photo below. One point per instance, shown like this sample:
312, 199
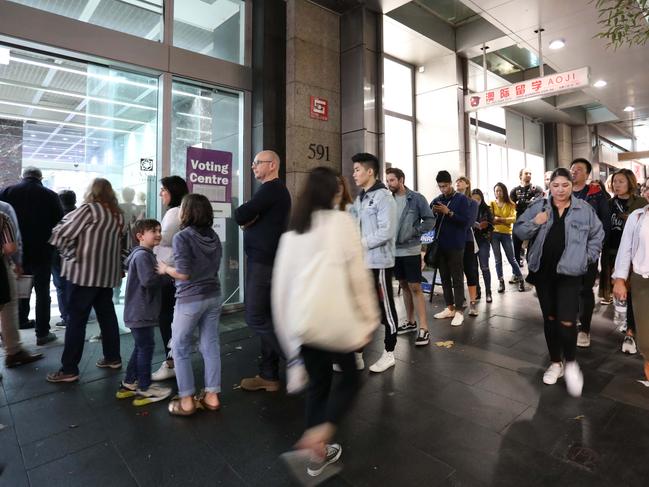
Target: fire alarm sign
319, 108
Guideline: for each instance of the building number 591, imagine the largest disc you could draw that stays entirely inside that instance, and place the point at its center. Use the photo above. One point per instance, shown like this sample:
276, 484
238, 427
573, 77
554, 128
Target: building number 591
318, 151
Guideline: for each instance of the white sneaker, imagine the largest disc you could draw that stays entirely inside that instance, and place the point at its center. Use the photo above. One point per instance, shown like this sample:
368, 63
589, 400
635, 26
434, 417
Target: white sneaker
446, 313
583, 339
553, 373
164, 372
360, 363
629, 346
153, 394
574, 379
473, 311
296, 378
458, 319
384, 363
336, 367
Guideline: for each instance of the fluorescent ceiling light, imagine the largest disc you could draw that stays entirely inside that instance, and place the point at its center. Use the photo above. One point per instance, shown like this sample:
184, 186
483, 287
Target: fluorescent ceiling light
4, 55
66, 124
629, 109
600, 83
78, 95
557, 44
192, 115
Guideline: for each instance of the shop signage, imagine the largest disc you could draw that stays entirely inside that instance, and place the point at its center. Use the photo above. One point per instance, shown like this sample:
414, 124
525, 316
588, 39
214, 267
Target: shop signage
319, 108
552, 84
209, 172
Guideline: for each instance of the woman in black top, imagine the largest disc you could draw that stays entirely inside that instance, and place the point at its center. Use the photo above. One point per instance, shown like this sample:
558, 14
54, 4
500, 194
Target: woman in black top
565, 237
482, 229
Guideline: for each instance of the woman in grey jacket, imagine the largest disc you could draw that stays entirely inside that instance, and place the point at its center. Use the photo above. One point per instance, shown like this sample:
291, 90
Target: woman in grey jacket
566, 236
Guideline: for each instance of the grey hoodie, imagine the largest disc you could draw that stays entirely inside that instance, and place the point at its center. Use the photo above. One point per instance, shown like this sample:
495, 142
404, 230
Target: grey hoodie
143, 285
197, 253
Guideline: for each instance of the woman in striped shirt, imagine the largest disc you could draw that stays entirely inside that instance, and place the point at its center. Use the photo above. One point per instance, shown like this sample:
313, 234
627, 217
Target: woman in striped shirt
90, 240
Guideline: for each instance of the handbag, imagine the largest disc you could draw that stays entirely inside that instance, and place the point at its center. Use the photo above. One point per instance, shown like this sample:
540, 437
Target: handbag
323, 312
431, 257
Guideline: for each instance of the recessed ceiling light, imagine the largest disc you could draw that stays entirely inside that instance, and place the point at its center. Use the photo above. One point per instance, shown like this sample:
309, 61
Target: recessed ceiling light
600, 83
65, 138
629, 109
33, 135
421, 69
557, 44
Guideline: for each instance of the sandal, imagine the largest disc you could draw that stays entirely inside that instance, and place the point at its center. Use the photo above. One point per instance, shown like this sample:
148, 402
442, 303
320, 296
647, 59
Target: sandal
176, 409
200, 399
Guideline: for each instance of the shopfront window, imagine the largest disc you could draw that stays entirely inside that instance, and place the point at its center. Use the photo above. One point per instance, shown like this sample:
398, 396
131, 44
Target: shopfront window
207, 150
77, 121
211, 28
142, 18
399, 118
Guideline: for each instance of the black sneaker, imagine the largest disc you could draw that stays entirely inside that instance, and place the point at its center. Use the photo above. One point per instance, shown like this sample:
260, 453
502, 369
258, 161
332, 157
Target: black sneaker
315, 467
44, 340
501, 286
478, 295
109, 364
521, 285
423, 337
406, 328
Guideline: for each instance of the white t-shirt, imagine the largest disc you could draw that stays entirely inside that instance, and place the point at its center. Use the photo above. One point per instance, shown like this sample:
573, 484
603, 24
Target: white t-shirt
170, 227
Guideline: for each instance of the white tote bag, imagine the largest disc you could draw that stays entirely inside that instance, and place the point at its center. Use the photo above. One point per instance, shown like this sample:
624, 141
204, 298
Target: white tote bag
323, 311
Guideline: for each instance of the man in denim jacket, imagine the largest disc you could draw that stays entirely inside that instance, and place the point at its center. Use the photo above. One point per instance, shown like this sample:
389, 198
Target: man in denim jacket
415, 218
375, 210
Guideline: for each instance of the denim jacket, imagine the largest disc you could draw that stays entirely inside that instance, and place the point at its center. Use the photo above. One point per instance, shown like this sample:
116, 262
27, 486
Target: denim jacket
376, 212
417, 218
584, 236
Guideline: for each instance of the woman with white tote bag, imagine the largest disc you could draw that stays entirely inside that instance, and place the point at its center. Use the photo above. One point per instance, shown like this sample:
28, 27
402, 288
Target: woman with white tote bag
324, 308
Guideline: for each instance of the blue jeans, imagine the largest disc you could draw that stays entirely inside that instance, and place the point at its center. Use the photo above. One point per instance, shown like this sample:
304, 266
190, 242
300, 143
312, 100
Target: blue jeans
139, 366
504, 240
203, 314
484, 252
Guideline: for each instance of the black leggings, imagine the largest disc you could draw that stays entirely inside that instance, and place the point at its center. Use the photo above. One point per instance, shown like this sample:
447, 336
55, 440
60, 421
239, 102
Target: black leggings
470, 263
324, 404
559, 300
587, 298
168, 301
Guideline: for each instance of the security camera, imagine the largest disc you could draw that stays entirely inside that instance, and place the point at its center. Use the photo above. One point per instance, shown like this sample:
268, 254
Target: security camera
76, 165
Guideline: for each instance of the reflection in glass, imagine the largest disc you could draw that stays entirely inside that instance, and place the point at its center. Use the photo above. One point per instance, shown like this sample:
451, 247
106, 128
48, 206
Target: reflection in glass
211, 28
141, 18
213, 119
399, 150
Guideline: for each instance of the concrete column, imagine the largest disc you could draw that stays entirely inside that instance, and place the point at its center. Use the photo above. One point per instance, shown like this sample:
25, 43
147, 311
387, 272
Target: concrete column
361, 80
312, 70
440, 122
11, 151
564, 145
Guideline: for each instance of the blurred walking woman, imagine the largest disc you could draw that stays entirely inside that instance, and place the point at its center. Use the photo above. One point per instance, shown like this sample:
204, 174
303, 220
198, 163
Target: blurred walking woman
504, 212
321, 238
197, 258
632, 270
90, 241
566, 237
173, 189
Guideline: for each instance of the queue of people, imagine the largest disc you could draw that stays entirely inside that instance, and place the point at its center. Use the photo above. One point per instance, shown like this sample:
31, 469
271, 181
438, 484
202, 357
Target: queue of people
330, 245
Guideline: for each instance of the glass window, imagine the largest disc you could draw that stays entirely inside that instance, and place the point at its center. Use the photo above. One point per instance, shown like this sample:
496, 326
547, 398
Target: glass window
397, 87
399, 150
207, 150
142, 18
211, 28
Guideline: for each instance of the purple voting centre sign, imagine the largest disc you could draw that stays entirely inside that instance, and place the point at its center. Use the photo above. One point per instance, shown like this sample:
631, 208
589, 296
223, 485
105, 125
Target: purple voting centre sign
209, 172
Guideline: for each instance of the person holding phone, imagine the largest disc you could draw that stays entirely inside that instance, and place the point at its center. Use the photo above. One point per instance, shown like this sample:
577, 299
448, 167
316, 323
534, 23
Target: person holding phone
560, 229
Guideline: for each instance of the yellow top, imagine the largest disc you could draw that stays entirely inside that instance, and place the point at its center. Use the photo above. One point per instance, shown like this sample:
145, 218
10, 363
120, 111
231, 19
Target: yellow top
508, 212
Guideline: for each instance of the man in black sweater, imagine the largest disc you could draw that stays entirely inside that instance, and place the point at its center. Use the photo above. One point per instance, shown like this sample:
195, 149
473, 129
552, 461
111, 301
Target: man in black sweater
264, 218
38, 210
522, 196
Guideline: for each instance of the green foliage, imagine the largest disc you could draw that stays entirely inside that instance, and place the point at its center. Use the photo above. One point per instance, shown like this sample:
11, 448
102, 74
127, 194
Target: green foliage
623, 22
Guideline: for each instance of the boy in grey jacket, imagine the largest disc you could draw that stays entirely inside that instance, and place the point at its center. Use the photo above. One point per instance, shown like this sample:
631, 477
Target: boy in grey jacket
376, 211
141, 313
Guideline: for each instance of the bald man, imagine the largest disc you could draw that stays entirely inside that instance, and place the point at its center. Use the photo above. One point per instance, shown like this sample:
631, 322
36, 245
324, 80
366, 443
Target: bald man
264, 218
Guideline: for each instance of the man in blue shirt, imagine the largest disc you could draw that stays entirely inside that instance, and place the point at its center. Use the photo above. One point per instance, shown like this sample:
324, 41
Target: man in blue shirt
453, 216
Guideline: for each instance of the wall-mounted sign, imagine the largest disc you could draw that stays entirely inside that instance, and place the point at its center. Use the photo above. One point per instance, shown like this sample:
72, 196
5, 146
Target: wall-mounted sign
209, 172
319, 108
552, 84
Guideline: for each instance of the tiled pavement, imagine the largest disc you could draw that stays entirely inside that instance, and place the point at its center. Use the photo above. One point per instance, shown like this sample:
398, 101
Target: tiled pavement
475, 414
